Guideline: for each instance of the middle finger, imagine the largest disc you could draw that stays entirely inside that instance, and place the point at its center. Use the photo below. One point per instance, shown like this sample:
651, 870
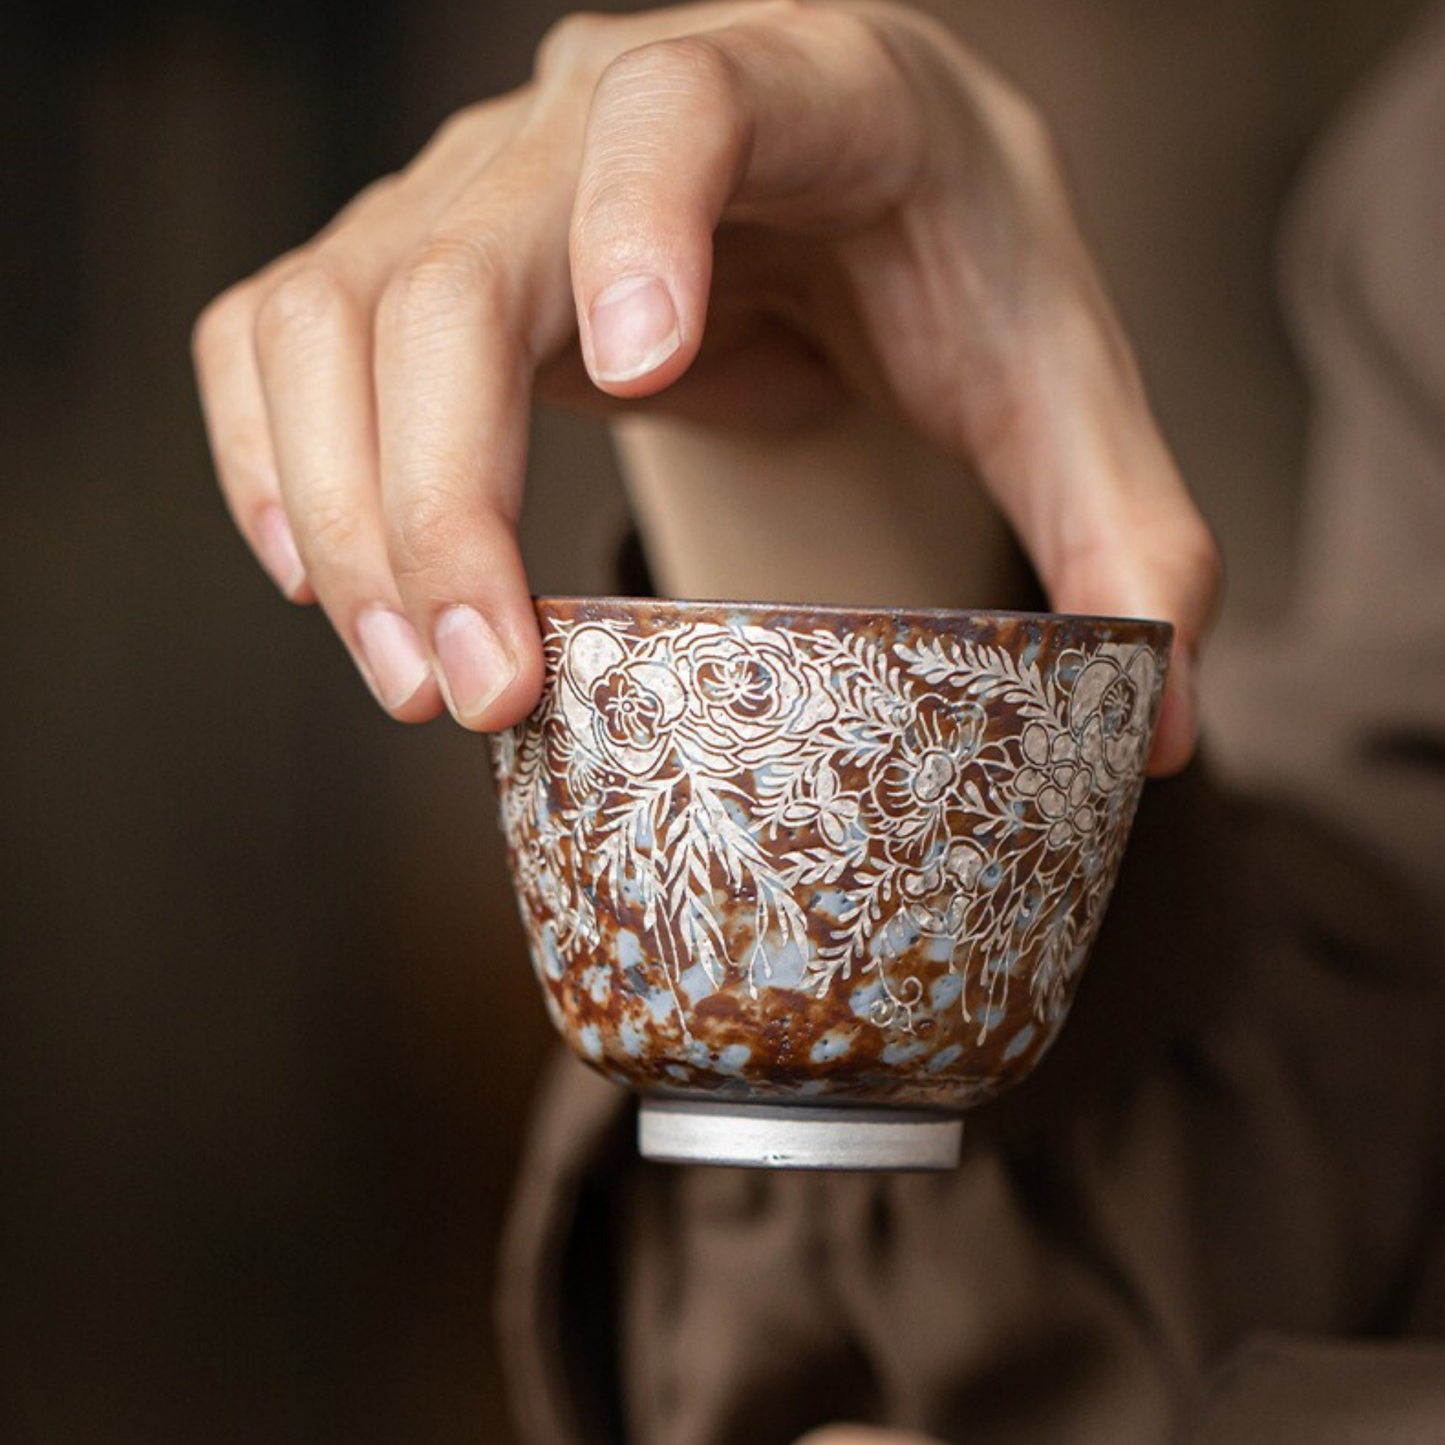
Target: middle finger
459, 334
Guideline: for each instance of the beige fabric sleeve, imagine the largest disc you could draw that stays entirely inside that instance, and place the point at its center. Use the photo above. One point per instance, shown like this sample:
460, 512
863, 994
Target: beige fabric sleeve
860, 512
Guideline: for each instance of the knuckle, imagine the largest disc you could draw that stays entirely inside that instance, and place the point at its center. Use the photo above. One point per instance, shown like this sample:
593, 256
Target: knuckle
425, 535
844, 27
468, 137
1200, 551
245, 462
695, 66
1203, 548
380, 191
309, 301
1026, 129
647, 97
458, 127
375, 196
876, 53
225, 323
570, 45
1036, 136
1183, 566
328, 528
450, 272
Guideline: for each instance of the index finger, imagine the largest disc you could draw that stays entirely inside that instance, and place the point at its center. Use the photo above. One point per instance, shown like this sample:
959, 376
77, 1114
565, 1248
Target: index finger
802, 121
459, 332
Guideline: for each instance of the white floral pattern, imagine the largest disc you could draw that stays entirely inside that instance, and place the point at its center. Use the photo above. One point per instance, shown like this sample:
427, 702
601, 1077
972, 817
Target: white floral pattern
941, 791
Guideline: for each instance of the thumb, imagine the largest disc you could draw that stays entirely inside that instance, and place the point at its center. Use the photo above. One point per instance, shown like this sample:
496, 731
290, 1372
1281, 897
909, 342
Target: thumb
793, 118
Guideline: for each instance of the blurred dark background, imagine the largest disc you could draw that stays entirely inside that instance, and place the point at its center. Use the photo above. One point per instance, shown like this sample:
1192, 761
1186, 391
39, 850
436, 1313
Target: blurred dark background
268, 1033
267, 1037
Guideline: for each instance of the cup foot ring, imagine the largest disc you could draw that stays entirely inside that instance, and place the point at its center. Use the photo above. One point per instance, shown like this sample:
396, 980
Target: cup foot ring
787, 1136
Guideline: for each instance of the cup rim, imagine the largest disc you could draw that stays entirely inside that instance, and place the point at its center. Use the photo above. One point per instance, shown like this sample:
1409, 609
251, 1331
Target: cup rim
1164, 631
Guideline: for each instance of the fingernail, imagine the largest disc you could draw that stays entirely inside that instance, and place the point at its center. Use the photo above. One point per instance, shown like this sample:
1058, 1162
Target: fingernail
395, 662
476, 668
277, 547
634, 329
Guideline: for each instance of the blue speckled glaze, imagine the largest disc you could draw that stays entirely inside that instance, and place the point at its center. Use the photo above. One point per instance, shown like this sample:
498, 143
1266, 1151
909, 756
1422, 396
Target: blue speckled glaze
628, 949
633, 1040
867, 998
783, 965
833, 1045
696, 984
553, 966
1020, 1041
944, 992
903, 1051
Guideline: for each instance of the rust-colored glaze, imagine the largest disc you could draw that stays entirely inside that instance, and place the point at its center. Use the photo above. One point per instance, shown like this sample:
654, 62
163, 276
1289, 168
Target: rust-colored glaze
816, 854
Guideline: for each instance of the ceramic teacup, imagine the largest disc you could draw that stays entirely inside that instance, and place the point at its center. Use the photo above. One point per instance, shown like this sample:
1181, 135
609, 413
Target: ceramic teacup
813, 880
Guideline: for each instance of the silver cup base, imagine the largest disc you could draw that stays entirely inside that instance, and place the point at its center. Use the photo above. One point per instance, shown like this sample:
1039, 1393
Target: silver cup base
787, 1136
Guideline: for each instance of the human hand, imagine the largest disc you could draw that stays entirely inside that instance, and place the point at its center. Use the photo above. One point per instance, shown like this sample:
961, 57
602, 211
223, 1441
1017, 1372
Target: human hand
751, 212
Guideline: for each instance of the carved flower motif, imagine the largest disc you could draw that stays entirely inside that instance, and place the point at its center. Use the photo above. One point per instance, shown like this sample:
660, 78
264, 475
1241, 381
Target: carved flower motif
923, 774
822, 802
1108, 715
1059, 783
938, 894
631, 712
752, 695
626, 705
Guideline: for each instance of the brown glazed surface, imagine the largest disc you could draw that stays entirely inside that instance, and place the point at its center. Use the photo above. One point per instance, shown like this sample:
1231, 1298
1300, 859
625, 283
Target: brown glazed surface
814, 854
